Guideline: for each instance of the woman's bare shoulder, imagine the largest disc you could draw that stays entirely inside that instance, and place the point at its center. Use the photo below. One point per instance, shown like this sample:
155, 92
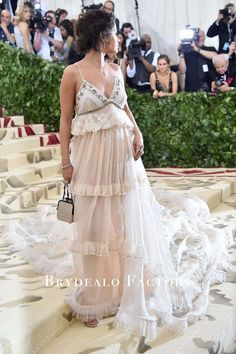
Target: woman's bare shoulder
73, 72
23, 26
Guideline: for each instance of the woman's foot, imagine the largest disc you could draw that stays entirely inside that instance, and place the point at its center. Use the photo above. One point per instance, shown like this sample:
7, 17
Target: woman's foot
91, 323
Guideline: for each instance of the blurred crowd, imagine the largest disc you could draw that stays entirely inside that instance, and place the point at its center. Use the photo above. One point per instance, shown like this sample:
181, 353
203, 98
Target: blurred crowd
51, 36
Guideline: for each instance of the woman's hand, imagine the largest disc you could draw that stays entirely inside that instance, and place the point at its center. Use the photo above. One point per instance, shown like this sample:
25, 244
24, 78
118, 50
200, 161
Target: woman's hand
155, 94
162, 94
67, 173
138, 145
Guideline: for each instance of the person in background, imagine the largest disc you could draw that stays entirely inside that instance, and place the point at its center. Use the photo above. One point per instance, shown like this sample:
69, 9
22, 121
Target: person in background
21, 29
197, 65
61, 15
6, 28
67, 32
9, 5
121, 44
163, 81
126, 29
121, 54
224, 80
139, 69
232, 57
224, 27
49, 43
109, 8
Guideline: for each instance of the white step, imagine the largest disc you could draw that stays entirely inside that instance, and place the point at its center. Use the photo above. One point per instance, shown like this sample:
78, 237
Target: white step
35, 155
28, 175
19, 145
30, 197
11, 121
19, 132
26, 143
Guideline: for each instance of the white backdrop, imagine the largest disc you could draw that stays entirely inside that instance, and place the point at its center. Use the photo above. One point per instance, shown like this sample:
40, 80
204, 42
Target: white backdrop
163, 19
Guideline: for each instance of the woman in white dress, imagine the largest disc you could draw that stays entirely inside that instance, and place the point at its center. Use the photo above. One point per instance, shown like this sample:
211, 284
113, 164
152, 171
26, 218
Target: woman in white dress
21, 29
147, 263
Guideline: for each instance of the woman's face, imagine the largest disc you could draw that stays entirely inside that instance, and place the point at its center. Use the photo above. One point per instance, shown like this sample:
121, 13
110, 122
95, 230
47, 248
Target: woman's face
63, 32
26, 14
162, 65
111, 44
120, 39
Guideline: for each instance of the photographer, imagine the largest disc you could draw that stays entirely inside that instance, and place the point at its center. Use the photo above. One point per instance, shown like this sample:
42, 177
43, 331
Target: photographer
48, 42
224, 27
139, 68
224, 80
61, 15
6, 28
197, 65
126, 29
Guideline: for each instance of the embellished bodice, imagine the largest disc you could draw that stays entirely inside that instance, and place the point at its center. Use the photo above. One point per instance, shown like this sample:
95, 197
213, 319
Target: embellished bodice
95, 111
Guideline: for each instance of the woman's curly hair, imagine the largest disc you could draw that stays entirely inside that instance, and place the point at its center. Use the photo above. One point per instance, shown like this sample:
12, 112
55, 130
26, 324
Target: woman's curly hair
91, 26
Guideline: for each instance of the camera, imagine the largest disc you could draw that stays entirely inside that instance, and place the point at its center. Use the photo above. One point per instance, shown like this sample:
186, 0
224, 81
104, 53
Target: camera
188, 36
220, 80
227, 14
135, 48
40, 22
88, 5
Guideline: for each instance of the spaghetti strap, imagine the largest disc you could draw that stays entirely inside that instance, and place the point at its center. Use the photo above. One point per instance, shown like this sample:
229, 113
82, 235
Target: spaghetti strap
80, 73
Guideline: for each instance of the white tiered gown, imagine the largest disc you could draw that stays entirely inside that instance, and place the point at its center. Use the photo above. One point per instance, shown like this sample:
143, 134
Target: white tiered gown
150, 260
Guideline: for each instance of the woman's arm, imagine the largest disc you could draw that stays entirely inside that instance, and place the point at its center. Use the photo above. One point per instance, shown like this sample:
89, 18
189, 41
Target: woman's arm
37, 40
153, 81
138, 138
67, 101
24, 28
174, 79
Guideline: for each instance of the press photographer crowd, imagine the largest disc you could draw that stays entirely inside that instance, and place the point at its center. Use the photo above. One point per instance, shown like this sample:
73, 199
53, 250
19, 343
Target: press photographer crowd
52, 36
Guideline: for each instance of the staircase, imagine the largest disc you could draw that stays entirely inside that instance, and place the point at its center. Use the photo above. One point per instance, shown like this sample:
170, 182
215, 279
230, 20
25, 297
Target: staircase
33, 317
29, 165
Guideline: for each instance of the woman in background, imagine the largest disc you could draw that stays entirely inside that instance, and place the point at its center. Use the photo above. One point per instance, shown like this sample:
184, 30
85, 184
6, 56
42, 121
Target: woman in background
67, 32
21, 29
164, 82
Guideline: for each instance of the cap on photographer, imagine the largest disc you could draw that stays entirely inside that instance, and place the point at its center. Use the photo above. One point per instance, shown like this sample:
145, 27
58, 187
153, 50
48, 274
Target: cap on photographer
224, 81
224, 27
196, 64
48, 42
141, 64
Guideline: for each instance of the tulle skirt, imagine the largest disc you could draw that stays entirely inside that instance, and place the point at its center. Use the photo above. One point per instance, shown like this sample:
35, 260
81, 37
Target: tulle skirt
147, 259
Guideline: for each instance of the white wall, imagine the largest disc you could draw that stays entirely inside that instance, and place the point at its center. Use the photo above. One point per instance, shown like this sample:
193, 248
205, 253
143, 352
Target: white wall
163, 19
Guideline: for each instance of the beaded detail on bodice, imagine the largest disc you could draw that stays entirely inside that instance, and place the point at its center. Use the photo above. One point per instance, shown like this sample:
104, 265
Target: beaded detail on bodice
90, 98
95, 111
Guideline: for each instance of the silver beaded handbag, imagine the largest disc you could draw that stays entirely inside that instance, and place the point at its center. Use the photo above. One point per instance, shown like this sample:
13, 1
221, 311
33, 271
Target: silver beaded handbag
65, 206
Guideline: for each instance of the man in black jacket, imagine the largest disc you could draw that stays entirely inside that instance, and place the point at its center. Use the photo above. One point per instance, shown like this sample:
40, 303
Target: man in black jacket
224, 27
